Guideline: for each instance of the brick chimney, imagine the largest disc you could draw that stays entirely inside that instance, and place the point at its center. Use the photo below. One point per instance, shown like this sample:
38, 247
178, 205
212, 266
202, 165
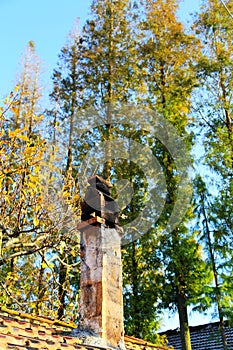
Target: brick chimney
101, 301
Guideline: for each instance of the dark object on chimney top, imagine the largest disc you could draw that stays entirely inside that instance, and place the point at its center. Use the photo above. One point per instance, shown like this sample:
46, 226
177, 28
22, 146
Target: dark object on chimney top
98, 202
100, 184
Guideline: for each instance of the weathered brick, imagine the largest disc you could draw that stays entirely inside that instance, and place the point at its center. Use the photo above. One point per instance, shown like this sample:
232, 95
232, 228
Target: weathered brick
101, 306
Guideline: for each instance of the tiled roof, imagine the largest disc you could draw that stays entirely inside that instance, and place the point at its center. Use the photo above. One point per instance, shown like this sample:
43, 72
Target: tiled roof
20, 331
132, 343
204, 337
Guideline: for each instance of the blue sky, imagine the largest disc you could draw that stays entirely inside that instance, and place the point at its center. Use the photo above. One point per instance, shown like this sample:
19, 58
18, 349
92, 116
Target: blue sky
47, 23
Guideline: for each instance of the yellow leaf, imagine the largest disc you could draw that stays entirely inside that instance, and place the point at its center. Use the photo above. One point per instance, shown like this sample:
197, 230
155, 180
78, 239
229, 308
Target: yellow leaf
23, 137
14, 133
32, 185
36, 221
15, 110
17, 87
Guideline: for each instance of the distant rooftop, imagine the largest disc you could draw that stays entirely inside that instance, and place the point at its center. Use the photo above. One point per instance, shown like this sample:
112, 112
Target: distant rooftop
204, 337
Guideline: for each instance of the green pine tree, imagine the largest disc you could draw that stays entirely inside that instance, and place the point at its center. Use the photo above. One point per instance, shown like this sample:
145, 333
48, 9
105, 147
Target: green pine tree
214, 111
167, 64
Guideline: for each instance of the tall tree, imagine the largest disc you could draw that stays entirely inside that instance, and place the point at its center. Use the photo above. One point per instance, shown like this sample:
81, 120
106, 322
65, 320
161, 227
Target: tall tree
92, 70
22, 151
66, 96
107, 70
167, 64
214, 26
30, 92
22, 221
111, 72
141, 267
218, 257
30, 222
108, 61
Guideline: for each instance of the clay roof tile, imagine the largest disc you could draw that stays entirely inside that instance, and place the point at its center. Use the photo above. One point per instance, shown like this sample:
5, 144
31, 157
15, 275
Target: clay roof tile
20, 331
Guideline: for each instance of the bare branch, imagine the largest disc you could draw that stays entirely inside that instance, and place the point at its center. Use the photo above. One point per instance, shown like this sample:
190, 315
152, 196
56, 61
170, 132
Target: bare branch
24, 253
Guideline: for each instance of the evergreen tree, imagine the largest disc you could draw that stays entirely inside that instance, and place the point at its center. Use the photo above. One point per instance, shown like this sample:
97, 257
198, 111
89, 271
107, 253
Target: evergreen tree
167, 64
107, 70
214, 109
109, 64
219, 258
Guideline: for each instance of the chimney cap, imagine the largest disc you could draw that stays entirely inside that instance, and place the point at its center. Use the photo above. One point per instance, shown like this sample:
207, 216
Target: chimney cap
95, 179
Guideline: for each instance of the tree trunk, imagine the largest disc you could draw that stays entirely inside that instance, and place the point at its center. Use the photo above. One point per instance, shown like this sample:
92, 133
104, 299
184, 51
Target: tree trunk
183, 317
41, 290
62, 291
216, 277
136, 304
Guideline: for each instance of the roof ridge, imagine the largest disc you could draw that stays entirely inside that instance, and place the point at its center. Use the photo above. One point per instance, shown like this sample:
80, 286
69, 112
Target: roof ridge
38, 318
139, 341
197, 327
18, 316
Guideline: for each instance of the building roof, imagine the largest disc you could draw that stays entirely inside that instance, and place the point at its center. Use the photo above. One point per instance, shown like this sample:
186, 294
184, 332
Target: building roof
203, 337
19, 331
